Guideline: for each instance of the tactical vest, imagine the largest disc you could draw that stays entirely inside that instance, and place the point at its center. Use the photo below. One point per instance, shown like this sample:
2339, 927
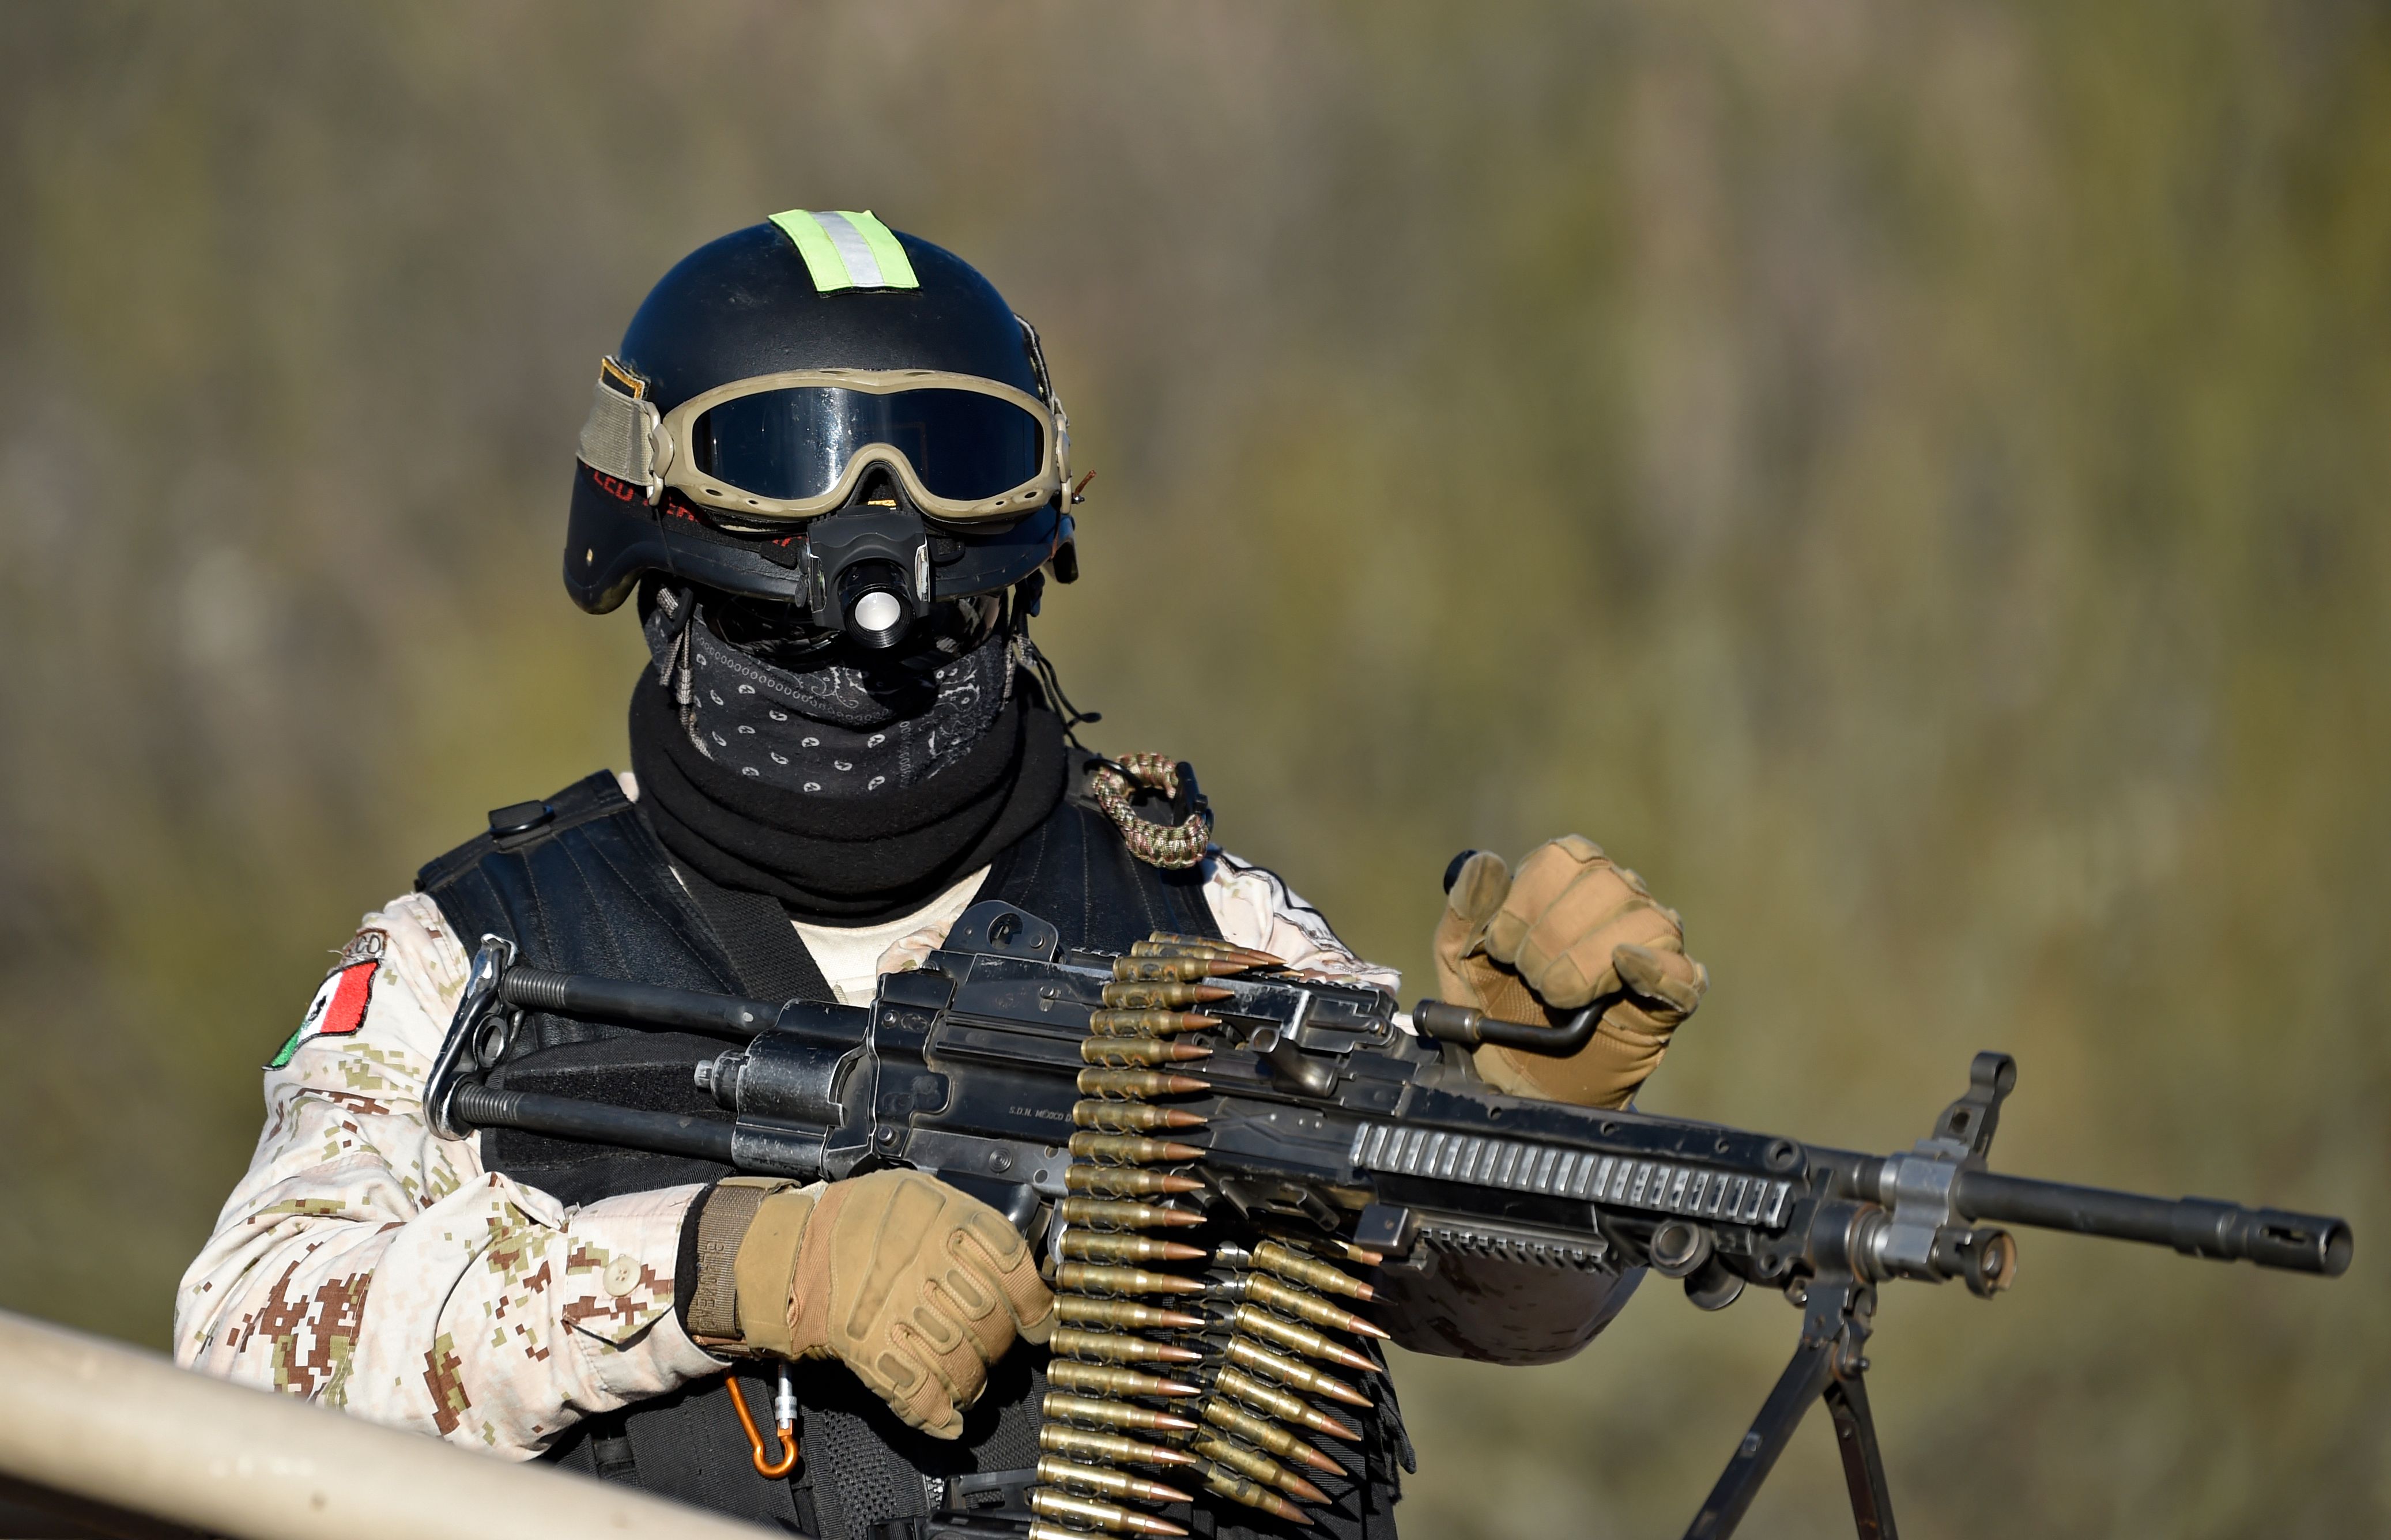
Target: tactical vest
579, 883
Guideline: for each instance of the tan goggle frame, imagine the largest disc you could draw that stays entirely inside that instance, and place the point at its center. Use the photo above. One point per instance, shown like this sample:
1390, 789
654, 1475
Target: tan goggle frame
626, 425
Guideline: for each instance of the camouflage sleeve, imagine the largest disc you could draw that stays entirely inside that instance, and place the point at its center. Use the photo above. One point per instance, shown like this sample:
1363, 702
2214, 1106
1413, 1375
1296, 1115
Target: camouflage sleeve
364, 1264
1254, 907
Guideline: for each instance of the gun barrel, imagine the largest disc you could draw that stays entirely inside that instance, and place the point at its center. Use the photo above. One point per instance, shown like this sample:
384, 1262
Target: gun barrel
2195, 1226
616, 999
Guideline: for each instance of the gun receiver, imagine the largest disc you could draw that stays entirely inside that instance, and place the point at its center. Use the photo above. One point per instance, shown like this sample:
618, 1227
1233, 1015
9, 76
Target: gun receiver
1304, 1125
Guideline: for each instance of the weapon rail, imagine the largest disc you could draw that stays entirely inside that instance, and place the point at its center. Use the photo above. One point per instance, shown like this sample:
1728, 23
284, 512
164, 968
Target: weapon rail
1306, 1127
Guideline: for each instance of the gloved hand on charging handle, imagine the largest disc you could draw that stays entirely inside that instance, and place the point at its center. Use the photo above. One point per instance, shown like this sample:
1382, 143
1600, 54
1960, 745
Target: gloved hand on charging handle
1571, 928
915, 1286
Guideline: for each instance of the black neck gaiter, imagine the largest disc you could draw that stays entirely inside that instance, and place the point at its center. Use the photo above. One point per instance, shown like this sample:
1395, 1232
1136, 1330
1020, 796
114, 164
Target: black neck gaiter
804, 787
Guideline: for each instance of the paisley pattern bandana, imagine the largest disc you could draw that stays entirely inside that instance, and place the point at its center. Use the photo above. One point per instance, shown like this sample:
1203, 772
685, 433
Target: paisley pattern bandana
822, 732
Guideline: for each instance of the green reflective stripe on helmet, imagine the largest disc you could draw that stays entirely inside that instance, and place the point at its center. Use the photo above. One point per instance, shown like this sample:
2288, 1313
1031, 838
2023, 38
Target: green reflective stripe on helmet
887, 254
813, 244
862, 265
847, 249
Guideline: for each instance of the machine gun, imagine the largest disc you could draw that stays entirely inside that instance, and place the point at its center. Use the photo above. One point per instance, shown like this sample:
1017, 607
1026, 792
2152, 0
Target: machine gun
1103, 1103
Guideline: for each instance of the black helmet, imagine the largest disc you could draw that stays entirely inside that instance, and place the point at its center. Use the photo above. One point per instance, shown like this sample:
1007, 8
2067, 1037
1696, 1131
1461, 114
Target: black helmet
826, 412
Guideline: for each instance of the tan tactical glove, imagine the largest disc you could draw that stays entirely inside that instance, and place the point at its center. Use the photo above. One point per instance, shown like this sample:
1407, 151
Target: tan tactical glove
1571, 928
914, 1286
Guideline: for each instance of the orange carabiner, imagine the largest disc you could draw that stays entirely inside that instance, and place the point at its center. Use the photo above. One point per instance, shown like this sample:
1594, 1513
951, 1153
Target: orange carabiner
785, 1413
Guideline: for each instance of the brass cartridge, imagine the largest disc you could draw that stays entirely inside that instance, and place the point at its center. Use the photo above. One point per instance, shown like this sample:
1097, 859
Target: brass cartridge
1126, 1180
1249, 1354
1163, 995
1173, 938
1128, 1151
1148, 1024
1079, 1310
1113, 1248
1112, 1414
1118, 1347
1109, 1215
1103, 1379
1310, 1272
1107, 1448
1140, 1053
1237, 1489
1268, 1434
1173, 970
1078, 1277
1188, 946
1287, 1298
1048, 1503
1107, 1117
1255, 1321
1282, 1405
1260, 1467
1137, 1084
1111, 1483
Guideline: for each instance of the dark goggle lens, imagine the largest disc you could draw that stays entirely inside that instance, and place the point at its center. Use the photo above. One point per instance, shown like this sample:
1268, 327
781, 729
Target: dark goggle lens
794, 444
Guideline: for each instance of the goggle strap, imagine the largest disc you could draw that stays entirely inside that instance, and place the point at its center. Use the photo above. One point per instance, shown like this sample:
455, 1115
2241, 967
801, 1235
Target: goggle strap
1062, 419
847, 249
618, 439
1037, 359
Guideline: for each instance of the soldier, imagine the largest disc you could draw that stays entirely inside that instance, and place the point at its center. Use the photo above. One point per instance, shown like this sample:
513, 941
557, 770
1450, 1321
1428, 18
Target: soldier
828, 461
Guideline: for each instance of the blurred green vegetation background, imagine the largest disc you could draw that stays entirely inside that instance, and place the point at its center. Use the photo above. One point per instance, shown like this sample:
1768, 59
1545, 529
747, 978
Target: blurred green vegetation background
1909, 477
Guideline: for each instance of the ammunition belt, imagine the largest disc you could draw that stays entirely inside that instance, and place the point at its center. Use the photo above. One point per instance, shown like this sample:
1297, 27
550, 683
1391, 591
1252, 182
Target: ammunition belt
1178, 1365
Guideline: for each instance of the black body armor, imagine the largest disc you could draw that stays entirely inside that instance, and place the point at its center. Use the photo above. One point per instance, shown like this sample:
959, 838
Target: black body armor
579, 883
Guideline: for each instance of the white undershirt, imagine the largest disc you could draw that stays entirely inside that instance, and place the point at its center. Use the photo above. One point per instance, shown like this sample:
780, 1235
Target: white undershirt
849, 956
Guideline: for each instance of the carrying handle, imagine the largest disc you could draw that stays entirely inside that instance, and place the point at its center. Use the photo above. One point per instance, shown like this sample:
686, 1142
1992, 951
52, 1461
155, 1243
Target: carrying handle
1470, 1026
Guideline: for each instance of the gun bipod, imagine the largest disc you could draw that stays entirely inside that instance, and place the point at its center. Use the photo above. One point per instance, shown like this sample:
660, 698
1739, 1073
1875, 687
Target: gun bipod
1828, 1366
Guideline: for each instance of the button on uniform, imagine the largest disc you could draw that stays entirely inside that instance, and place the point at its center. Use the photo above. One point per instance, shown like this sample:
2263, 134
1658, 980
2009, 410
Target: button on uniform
622, 1276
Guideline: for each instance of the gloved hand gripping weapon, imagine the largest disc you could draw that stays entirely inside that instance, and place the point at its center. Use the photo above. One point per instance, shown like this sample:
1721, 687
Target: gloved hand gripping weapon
1306, 1128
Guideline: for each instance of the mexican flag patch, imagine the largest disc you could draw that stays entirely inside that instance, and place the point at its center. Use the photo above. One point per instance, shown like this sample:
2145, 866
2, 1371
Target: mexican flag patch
338, 1009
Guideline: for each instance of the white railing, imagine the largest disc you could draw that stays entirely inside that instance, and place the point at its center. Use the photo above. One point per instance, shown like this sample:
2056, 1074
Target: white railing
123, 1427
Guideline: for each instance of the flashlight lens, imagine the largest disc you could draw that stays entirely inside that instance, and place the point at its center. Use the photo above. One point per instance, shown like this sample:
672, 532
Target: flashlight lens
878, 611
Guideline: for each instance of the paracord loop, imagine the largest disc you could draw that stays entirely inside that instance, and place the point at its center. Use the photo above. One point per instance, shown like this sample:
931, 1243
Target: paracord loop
1170, 846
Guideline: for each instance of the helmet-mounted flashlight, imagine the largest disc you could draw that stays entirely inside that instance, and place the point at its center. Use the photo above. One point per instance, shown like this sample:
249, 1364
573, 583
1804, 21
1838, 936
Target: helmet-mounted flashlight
876, 614
871, 573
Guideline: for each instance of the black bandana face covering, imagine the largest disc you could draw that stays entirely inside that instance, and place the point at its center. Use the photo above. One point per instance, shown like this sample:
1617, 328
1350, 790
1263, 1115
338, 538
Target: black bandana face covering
825, 732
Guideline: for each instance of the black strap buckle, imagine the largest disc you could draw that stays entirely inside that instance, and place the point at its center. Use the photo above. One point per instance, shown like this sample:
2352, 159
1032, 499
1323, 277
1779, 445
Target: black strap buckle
990, 1492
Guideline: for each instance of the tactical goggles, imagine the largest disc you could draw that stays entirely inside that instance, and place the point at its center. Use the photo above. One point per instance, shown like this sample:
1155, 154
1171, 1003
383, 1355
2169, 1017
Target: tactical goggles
796, 444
